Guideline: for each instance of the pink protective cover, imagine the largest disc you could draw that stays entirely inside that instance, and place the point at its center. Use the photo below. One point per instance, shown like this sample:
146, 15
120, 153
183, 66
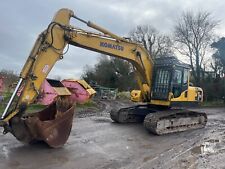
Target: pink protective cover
79, 93
47, 94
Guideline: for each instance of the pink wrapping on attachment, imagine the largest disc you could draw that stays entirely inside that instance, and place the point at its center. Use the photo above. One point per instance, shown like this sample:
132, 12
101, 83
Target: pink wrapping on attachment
47, 94
79, 93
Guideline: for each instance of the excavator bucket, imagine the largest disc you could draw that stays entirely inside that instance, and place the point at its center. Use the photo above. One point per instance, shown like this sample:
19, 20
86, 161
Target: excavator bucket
51, 128
51, 125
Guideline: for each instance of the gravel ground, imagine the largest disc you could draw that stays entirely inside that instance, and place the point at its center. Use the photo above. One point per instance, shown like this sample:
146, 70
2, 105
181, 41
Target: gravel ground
98, 143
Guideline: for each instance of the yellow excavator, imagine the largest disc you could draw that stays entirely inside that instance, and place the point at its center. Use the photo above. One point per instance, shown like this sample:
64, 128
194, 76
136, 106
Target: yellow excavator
163, 83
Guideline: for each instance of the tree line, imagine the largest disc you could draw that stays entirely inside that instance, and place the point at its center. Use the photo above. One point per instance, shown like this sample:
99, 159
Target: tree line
9, 78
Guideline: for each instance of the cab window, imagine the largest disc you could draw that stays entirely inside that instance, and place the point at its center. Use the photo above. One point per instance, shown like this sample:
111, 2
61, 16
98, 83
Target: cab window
177, 78
186, 72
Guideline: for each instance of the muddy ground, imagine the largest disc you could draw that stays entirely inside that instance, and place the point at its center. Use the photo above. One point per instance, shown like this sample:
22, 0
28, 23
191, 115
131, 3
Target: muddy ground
98, 143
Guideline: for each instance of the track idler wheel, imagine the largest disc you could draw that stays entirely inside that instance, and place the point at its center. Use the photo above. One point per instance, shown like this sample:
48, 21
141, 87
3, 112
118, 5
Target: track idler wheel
125, 115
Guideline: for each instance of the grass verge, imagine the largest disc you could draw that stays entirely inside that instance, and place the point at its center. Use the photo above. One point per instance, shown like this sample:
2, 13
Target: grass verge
213, 104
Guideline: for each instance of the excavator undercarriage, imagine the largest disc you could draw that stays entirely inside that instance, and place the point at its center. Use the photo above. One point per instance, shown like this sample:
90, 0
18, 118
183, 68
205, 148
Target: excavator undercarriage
160, 120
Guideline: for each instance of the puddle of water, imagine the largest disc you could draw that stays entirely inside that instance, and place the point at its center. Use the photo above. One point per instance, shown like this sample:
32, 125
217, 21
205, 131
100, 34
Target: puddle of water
103, 120
130, 139
208, 147
5, 151
147, 158
146, 146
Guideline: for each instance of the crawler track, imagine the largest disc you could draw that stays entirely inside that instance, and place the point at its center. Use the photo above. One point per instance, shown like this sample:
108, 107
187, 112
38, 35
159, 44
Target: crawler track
174, 120
160, 121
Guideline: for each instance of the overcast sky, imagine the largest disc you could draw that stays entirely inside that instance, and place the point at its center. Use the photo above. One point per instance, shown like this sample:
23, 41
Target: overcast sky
21, 21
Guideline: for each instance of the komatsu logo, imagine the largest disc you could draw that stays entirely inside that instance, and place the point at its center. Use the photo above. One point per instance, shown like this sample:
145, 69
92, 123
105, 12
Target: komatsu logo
111, 46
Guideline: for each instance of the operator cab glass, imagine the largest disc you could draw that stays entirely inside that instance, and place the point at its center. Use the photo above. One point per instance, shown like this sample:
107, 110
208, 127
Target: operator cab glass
161, 86
179, 81
170, 76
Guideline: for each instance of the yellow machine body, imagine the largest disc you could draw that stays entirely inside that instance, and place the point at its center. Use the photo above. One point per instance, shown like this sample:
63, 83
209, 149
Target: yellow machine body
49, 47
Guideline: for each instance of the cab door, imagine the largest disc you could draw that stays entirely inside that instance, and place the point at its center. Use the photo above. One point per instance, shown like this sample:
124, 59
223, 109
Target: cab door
162, 83
179, 81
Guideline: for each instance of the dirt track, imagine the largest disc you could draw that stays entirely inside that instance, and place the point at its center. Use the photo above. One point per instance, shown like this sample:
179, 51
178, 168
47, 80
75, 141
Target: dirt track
98, 143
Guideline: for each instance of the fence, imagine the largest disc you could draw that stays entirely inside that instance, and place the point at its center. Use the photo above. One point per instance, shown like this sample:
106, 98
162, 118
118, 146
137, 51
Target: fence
105, 92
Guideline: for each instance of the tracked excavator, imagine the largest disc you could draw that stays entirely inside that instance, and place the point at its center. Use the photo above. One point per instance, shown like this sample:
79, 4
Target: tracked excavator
163, 83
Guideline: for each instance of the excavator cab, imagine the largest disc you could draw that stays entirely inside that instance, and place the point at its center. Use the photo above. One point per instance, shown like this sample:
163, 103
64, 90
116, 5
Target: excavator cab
170, 78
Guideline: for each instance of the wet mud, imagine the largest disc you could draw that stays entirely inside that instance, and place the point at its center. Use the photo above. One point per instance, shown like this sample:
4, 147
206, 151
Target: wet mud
96, 142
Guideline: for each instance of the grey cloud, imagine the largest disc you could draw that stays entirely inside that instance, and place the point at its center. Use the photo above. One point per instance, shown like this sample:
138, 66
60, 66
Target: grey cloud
22, 21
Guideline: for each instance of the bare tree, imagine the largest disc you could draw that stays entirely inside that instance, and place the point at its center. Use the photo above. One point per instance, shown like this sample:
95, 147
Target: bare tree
10, 78
193, 34
156, 44
219, 56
